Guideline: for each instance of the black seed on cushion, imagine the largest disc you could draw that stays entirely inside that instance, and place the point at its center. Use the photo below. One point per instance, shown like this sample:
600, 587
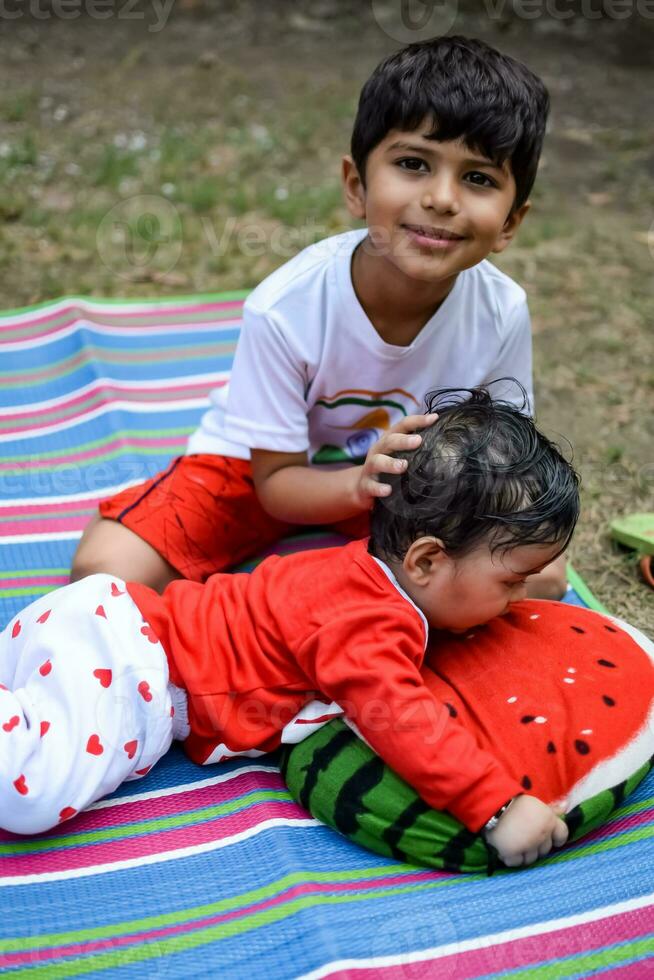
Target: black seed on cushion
605, 663
608, 701
525, 782
583, 748
611, 629
551, 748
452, 710
577, 629
527, 718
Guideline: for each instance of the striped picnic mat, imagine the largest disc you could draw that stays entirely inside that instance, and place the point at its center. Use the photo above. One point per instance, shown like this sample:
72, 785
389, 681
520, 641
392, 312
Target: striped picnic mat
198, 870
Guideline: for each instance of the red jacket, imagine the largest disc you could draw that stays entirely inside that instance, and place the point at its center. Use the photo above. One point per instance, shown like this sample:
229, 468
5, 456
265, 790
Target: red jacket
251, 649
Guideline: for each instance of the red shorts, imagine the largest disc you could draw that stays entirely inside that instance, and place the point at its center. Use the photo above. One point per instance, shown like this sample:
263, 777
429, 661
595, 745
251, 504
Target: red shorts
203, 516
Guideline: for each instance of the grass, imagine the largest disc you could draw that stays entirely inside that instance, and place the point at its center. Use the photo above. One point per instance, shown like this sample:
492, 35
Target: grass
245, 147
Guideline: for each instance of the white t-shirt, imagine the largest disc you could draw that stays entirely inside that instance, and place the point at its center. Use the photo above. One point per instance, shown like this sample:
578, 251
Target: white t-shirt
312, 374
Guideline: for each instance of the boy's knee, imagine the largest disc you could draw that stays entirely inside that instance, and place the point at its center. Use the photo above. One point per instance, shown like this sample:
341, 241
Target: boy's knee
109, 547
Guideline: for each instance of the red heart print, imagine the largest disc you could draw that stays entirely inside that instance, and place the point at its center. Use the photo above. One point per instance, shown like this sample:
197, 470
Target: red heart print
13, 721
94, 746
143, 772
130, 748
144, 691
43, 618
16, 630
150, 633
45, 668
67, 813
21, 785
44, 727
115, 590
104, 675
100, 612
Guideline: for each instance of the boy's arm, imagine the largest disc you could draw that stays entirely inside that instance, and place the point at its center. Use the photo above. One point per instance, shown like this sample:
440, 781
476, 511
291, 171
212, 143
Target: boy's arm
292, 491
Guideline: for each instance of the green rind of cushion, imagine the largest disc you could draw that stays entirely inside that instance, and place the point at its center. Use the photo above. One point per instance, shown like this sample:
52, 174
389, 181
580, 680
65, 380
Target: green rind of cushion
344, 784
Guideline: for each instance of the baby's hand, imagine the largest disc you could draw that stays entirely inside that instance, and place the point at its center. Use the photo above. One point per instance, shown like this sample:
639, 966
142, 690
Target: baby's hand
399, 438
528, 830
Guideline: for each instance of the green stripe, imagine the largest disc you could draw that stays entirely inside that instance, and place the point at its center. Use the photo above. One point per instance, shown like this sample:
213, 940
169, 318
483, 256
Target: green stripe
59, 413
226, 297
29, 572
581, 964
276, 887
165, 947
115, 833
366, 402
109, 437
111, 454
37, 590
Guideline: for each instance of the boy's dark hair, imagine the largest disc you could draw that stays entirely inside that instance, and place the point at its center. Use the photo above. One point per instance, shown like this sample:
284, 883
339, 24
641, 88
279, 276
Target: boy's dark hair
470, 91
482, 472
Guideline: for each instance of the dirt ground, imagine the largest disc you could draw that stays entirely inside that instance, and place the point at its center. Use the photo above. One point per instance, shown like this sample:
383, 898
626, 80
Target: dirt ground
231, 118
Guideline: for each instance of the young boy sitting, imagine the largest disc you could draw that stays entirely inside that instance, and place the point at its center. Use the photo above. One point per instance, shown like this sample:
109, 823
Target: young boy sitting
99, 677
340, 344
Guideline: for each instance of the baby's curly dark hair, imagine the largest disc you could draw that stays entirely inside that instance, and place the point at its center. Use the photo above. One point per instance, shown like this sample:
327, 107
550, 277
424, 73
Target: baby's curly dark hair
482, 472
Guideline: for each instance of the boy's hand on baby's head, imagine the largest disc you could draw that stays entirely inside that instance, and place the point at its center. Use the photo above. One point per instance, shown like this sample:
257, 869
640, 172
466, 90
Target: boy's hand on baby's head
528, 830
401, 437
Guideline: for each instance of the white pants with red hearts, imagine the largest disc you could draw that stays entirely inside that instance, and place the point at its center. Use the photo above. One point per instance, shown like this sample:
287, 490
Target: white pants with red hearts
85, 703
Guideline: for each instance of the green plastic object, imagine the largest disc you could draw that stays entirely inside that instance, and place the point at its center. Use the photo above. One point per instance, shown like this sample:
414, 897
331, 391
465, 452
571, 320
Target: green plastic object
635, 531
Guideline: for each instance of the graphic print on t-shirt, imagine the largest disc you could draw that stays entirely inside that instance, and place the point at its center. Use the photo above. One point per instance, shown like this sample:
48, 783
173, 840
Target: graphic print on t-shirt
365, 414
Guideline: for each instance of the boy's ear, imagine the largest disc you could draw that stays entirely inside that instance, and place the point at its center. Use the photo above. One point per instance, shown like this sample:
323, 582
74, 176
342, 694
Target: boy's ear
423, 558
510, 228
355, 192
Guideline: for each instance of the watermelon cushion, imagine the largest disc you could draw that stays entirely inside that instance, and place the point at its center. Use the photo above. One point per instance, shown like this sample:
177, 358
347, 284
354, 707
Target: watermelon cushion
564, 698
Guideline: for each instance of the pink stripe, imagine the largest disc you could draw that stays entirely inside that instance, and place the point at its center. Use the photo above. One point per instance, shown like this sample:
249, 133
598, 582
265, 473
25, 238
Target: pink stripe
61, 525
116, 388
132, 443
159, 842
44, 507
79, 313
497, 959
17, 583
297, 891
158, 807
618, 827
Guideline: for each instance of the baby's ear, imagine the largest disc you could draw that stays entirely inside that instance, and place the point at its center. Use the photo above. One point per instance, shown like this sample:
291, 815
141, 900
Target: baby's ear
423, 557
355, 192
510, 228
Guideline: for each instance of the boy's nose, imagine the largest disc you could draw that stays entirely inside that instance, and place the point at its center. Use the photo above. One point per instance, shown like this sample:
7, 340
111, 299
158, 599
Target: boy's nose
441, 196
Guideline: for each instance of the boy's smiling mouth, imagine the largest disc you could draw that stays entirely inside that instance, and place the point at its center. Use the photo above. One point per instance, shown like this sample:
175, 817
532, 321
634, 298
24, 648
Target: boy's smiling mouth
433, 237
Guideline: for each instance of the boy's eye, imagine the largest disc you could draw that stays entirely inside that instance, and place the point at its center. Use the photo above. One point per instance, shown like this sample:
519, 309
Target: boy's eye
411, 163
480, 179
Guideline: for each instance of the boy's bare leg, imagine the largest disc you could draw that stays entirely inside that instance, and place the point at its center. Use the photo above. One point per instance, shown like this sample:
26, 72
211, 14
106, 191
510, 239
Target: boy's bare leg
107, 546
551, 583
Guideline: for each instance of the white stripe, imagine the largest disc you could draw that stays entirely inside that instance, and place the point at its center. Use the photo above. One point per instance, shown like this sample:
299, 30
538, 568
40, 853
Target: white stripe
156, 384
481, 942
49, 536
210, 326
133, 408
140, 862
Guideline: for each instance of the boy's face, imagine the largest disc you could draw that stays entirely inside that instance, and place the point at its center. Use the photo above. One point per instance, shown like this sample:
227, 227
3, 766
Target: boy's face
432, 208
460, 593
